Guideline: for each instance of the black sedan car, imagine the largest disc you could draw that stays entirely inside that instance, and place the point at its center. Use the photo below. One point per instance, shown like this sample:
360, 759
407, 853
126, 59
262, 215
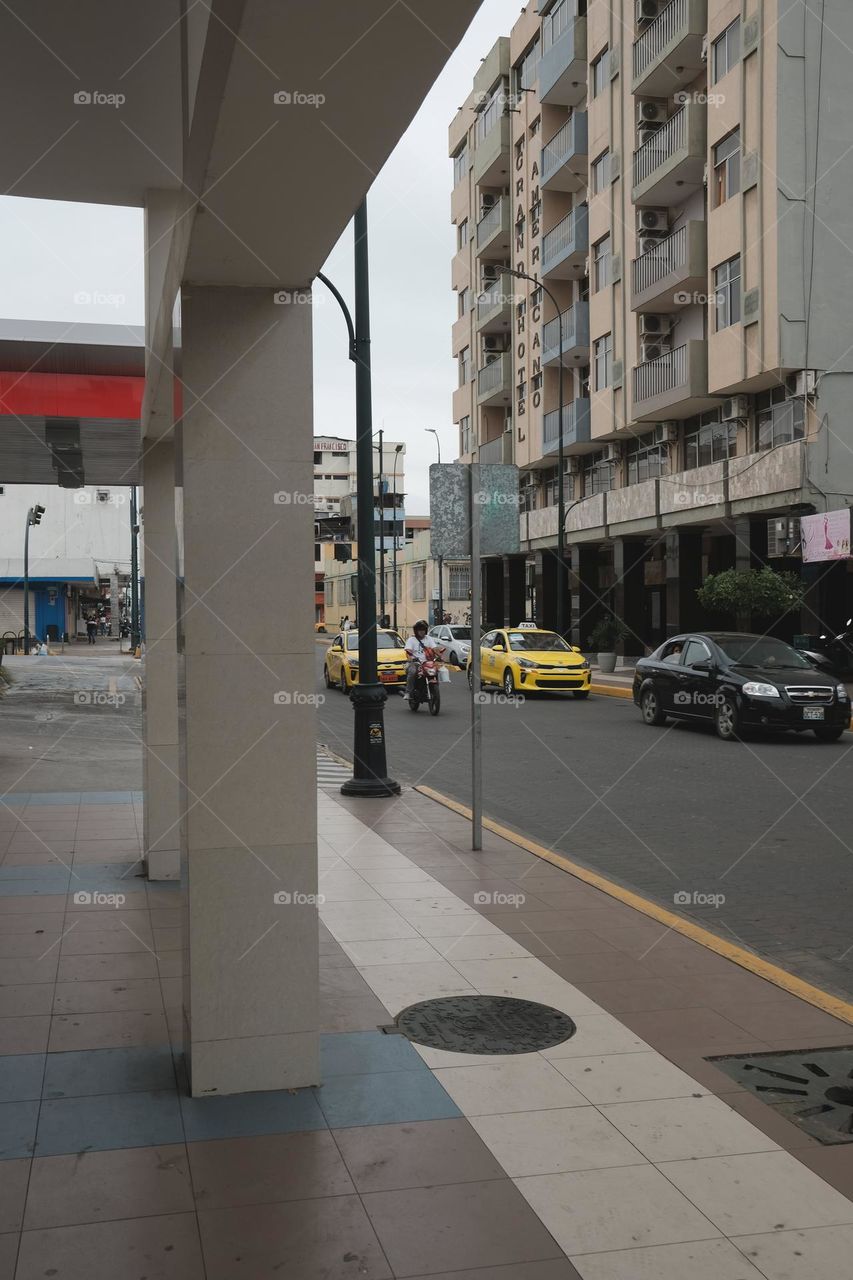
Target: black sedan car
735, 682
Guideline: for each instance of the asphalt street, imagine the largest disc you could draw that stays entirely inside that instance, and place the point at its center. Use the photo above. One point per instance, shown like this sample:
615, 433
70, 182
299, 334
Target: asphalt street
71, 723
665, 811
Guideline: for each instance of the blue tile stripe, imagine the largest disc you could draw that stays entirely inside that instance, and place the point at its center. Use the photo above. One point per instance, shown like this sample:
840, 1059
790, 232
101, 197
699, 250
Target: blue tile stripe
105, 1099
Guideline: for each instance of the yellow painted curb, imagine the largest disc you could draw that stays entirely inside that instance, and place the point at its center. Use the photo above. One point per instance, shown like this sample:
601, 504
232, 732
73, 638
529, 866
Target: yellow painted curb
730, 951
612, 690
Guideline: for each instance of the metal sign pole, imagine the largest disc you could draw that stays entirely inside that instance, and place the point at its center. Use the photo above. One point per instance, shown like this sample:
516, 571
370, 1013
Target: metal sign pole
474, 509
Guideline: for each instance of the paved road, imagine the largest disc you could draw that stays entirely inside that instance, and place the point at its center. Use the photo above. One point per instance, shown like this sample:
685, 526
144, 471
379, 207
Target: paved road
664, 811
71, 723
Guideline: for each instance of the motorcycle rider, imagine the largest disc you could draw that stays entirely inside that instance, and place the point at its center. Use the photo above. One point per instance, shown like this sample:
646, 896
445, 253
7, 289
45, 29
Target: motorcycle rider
417, 652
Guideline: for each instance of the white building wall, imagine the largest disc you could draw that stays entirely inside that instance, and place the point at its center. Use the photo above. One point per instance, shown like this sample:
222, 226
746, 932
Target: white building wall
76, 530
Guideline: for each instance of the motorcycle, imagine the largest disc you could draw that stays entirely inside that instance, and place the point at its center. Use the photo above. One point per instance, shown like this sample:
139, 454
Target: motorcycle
832, 654
426, 684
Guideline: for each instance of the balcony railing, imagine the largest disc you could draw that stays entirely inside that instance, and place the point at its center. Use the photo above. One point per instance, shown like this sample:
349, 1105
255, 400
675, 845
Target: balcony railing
494, 375
665, 142
657, 377
651, 44
575, 425
561, 145
494, 450
570, 234
551, 331
499, 296
667, 256
490, 221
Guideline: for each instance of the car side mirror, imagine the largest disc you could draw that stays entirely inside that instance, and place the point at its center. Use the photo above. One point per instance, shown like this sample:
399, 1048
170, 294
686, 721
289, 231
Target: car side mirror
704, 664
499, 647
575, 649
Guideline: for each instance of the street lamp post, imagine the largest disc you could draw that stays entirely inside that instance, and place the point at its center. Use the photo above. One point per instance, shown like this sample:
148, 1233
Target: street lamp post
397, 451
134, 574
370, 774
34, 516
561, 497
433, 431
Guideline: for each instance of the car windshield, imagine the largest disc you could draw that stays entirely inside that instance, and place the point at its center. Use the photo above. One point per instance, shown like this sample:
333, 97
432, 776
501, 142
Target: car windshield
537, 642
384, 640
461, 633
761, 651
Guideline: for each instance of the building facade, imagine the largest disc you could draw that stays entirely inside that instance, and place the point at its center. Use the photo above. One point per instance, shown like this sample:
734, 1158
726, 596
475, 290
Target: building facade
335, 506
422, 586
664, 174
79, 560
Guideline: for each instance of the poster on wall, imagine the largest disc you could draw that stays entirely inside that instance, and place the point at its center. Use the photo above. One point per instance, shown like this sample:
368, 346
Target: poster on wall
826, 536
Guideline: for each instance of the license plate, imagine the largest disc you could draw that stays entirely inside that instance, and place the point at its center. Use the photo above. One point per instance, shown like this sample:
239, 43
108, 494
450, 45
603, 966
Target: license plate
389, 677
812, 713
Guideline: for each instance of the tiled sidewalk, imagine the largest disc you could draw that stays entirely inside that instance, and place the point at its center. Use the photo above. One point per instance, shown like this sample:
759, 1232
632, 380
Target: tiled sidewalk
600, 1158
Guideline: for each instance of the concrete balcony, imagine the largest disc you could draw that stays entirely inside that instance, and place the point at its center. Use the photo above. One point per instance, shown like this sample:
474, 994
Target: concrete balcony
668, 54
670, 274
493, 231
575, 337
757, 479
494, 307
562, 67
675, 385
498, 450
671, 165
575, 428
491, 158
565, 157
565, 247
494, 381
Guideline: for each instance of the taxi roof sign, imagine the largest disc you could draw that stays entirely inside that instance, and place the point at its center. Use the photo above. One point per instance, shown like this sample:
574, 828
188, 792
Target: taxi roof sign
526, 626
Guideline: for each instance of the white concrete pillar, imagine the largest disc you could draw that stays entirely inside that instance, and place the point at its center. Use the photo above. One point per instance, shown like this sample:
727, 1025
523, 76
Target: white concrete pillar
162, 792
246, 667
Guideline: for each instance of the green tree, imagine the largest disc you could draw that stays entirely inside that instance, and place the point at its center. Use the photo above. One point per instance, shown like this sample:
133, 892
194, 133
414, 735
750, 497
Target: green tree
751, 593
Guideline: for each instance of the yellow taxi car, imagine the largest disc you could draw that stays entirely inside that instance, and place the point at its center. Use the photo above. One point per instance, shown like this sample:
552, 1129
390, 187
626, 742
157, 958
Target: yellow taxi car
340, 666
525, 658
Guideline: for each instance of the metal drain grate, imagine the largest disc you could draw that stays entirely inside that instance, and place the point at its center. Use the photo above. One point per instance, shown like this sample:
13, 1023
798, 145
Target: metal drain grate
813, 1088
483, 1024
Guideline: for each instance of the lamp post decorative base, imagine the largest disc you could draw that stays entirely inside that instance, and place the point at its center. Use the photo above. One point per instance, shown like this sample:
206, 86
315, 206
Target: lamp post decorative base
369, 765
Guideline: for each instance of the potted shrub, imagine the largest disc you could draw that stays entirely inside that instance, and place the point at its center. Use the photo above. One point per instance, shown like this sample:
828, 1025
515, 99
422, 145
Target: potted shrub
605, 636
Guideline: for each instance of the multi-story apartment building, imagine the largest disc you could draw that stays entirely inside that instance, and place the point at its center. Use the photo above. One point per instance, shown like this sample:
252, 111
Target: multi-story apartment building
335, 506
670, 176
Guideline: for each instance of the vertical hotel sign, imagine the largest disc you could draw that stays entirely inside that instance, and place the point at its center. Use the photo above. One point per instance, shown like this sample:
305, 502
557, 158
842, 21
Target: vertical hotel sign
826, 536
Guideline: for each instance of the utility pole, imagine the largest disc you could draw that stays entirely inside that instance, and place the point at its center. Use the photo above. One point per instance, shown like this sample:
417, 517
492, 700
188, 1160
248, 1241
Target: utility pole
34, 516
381, 433
433, 432
134, 574
370, 774
397, 453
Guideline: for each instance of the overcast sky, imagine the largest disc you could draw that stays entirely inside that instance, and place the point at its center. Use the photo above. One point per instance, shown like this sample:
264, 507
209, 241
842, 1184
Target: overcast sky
79, 262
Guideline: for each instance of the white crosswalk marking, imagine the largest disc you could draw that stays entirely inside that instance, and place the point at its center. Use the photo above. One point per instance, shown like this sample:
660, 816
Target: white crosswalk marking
331, 774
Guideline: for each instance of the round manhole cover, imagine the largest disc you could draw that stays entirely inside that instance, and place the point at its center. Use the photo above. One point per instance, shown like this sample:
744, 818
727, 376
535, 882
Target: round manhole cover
484, 1024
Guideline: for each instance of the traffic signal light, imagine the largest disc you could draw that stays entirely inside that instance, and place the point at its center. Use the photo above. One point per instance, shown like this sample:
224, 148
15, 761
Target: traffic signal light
36, 513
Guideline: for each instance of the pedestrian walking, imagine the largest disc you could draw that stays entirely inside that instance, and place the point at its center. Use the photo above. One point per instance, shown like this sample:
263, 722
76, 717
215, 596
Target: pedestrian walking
91, 628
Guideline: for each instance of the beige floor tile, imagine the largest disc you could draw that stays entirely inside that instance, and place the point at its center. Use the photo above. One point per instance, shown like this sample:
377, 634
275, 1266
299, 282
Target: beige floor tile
627, 1077
556, 1141
686, 1128
509, 1084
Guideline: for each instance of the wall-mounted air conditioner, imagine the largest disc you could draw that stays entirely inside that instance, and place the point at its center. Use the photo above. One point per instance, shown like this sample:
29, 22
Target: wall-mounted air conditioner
647, 10
805, 382
735, 408
652, 220
651, 111
654, 323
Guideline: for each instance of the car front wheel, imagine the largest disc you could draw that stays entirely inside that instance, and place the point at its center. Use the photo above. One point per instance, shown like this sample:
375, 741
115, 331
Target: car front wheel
509, 683
726, 720
651, 708
326, 680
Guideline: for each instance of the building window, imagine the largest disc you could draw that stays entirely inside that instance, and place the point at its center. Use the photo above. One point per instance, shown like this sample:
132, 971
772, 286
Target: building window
550, 485
603, 361
707, 440
601, 264
535, 126
556, 22
460, 163
464, 301
599, 474
599, 172
727, 168
462, 234
419, 582
495, 107
465, 441
464, 366
727, 289
527, 68
598, 68
645, 459
458, 581
726, 52
391, 595
777, 420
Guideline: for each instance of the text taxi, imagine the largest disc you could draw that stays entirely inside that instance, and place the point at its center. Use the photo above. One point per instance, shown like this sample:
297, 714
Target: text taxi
340, 667
525, 658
